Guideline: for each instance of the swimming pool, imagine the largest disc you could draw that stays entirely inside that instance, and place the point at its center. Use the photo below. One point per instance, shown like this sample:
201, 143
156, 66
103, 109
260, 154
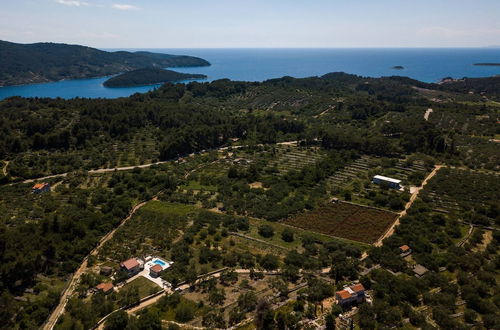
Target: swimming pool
159, 262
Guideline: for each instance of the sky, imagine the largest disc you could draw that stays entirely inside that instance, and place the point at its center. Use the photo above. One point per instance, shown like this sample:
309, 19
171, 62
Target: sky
253, 23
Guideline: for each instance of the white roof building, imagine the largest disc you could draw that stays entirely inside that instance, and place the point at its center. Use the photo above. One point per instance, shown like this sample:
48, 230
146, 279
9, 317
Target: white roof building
387, 179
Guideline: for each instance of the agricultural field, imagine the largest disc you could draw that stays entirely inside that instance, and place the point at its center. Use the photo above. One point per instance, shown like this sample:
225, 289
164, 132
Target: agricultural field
291, 158
471, 195
346, 220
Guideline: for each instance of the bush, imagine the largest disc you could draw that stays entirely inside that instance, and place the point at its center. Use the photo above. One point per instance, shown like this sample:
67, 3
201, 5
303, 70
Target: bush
287, 235
184, 312
266, 231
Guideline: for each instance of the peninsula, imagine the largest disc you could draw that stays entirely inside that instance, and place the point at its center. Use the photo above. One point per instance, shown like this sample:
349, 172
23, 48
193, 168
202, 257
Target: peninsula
149, 76
45, 62
487, 64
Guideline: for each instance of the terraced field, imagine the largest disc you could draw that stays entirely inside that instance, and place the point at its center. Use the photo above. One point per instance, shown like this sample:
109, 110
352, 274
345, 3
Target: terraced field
291, 158
346, 220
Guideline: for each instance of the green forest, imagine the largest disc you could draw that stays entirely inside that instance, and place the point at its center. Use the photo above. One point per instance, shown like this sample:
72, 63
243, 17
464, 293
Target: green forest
246, 179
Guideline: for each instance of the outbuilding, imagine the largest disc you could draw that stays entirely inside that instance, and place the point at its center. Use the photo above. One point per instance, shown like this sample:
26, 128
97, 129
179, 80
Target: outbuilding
392, 183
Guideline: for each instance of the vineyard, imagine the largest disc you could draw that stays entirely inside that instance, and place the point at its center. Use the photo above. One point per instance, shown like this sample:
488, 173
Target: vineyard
346, 220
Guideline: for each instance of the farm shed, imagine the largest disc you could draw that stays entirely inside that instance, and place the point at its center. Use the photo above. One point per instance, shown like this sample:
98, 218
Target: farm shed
393, 183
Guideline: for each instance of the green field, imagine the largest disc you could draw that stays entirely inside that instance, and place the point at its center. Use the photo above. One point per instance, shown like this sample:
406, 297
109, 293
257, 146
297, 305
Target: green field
143, 285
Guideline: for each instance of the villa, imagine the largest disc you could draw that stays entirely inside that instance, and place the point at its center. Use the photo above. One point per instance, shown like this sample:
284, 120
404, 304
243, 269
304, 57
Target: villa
132, 266
351, 295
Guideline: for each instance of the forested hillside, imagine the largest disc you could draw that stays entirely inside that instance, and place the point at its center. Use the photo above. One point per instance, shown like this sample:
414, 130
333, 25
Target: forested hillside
149, 76
255, 177
43, 62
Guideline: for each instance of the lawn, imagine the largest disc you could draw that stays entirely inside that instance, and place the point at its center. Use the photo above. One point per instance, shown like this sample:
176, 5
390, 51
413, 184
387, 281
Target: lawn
175, 209
345, 220
278, 229
145, 286
195, 185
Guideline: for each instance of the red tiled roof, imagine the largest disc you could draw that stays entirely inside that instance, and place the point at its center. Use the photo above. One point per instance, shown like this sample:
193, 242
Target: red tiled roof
105, 287
156, 268
343, 294
130, 263
358, 288
39, 185
404, 248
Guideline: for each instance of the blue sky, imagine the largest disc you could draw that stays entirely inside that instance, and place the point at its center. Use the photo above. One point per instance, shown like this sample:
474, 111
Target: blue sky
253, 23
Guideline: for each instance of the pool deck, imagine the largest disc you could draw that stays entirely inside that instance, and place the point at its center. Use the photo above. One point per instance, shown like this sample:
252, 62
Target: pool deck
146, 273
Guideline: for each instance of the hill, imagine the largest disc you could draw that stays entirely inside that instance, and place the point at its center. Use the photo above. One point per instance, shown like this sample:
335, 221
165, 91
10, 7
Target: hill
148, 76
44, 62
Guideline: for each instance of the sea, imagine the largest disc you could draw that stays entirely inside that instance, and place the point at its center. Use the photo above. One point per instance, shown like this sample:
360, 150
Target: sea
244, 64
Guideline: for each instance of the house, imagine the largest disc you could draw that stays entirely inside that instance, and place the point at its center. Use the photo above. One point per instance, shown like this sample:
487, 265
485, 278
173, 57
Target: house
351, 295
131, 266
404, 250
392, 183
155, 270
41, 188
419, 270
105, 288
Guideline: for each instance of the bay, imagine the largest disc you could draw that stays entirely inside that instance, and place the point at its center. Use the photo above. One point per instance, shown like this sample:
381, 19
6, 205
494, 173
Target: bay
425, 64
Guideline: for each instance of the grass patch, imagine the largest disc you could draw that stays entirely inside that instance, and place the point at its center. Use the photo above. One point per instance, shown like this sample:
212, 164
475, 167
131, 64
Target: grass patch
195, 185
143, 285
169, 208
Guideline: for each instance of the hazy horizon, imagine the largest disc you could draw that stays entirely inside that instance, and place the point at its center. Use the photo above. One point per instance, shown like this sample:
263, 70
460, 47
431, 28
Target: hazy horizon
257, 24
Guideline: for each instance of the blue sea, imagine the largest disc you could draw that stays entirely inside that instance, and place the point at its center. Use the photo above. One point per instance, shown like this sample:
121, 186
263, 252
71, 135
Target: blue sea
429, 65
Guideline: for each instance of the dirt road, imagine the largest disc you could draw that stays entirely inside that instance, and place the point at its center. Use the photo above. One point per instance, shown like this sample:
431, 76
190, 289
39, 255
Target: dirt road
4, 170
413, 197
59, 310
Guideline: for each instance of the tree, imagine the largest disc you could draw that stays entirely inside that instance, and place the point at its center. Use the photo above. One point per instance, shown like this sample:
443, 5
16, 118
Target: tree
247, 301
264, 318
287, 235
117, 321
269, 262
216, 296
214, 319
149, 321
266, 231
330, 323
184, 312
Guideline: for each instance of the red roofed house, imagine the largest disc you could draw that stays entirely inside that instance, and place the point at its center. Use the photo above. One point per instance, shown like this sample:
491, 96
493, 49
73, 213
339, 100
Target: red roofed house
41, 187
105, 288
131, 266
404, 250
155, 270
354, 294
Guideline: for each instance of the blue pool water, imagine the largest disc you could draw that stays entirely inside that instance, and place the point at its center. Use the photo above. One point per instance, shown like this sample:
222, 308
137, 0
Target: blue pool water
159, 262
425, 64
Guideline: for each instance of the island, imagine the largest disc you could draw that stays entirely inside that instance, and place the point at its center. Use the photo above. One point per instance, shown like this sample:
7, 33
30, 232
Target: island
149, 76
398, 67
22, 64
487, 64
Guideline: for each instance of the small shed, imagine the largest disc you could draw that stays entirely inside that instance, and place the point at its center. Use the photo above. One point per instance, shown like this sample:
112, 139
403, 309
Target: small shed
419, 270
105, 288
41, 188
106, 271
392, 183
